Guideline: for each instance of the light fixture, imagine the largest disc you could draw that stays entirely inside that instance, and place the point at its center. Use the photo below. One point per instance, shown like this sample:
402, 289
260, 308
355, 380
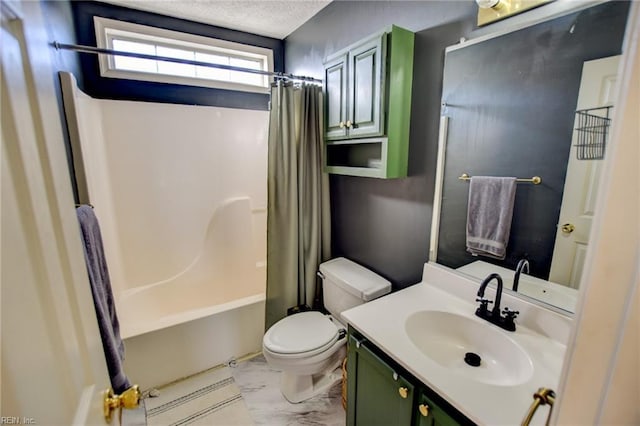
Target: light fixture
493, 10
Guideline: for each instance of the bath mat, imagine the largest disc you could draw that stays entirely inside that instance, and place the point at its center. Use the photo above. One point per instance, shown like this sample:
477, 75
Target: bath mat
208, 398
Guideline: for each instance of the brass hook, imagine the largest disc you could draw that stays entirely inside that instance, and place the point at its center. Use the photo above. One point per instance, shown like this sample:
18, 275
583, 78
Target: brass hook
544, 396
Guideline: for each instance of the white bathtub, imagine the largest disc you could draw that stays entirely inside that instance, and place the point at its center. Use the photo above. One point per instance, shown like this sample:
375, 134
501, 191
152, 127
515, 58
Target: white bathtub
210, 312
224, 275
141, 312
164, 347
171, 336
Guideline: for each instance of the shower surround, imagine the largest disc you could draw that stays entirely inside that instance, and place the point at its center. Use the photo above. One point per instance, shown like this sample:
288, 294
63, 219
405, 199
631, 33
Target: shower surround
180, 192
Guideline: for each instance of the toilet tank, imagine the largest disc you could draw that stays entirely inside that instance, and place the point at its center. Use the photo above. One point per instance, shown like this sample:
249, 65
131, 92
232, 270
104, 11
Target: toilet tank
346, 284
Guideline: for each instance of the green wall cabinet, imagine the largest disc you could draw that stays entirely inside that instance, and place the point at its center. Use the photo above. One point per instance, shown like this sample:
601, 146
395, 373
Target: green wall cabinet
380, 392
368, 105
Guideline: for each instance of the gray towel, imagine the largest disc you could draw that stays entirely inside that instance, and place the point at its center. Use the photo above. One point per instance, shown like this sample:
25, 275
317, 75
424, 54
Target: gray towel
103, 297
489, 215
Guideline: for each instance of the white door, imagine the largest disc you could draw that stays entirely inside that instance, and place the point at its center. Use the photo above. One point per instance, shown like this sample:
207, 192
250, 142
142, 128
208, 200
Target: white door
597, 88
53, 367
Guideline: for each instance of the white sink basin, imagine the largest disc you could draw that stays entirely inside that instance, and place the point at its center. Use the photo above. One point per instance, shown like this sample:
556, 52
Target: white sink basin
446, 338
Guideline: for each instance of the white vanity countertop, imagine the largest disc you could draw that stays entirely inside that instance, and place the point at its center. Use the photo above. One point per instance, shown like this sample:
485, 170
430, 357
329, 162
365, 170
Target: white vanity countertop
382, 321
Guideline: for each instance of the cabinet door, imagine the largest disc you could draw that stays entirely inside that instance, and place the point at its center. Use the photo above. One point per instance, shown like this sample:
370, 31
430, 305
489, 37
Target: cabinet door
335, 77
427, 413
366, 93
376, 394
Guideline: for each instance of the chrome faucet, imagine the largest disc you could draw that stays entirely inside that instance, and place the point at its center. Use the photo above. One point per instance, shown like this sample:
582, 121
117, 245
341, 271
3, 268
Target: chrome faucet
524, 263
495, 316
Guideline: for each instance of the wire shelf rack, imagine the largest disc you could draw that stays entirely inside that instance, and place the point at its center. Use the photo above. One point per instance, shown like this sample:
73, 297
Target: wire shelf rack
592, 129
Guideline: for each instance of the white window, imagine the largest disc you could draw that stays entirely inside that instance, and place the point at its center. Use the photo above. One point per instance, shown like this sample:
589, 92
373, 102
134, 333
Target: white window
135, 38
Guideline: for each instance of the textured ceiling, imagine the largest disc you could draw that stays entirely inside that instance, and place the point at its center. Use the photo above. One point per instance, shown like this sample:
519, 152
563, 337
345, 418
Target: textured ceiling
272, 18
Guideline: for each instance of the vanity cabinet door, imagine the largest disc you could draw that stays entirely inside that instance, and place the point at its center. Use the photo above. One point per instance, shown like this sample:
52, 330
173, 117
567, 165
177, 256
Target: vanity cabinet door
376, 394
427, 413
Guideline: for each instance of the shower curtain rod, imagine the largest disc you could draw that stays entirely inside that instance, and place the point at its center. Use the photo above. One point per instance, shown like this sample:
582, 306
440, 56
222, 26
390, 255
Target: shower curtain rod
97, 50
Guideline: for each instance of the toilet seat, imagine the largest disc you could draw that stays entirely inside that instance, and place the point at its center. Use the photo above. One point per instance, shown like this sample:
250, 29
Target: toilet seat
305, 333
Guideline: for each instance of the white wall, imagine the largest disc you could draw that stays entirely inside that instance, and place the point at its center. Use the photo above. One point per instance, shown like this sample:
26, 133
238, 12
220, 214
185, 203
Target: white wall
620, 407
601, 377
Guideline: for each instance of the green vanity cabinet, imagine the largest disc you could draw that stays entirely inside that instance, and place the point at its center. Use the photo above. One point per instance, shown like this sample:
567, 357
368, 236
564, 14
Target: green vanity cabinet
368, 105
376, 394
428, 413
380, 392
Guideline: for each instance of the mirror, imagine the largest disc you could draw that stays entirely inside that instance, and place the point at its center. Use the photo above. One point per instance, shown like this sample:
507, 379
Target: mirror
510, 102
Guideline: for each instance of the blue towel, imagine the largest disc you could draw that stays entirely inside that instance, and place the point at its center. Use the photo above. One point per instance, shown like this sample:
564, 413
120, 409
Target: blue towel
103, 297
489, 215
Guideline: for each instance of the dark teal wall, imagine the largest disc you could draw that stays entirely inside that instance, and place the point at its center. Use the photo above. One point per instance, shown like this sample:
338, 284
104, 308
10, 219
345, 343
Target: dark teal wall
513, 100
72, 23
385, 224
110, 88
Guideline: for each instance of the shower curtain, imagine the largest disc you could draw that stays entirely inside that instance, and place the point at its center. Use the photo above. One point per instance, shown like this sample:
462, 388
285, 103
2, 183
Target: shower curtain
298, 221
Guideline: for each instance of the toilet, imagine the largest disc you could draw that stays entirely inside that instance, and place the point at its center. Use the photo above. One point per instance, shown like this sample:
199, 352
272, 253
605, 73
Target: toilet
309, 346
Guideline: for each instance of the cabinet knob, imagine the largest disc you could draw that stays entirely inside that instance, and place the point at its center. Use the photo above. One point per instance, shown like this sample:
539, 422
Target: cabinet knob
349, 124
404, 392
341, 124
424, 409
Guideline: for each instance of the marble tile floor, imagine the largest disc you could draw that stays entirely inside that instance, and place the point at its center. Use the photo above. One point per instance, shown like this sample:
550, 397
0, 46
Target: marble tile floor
260, 387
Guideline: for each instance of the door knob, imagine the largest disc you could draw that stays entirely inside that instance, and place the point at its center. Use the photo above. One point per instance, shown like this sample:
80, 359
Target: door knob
127, 399
404, 392
568, 228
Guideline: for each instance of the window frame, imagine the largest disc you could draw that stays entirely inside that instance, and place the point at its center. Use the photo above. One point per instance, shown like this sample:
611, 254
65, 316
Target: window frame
106, 29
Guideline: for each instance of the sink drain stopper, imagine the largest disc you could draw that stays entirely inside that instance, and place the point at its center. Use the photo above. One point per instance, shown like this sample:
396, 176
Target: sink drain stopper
472, 359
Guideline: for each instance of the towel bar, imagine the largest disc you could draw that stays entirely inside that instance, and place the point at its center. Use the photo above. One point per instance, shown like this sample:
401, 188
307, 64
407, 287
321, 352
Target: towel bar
536, 180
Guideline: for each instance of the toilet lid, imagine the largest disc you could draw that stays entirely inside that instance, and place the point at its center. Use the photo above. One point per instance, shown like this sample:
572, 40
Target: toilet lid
301, 333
